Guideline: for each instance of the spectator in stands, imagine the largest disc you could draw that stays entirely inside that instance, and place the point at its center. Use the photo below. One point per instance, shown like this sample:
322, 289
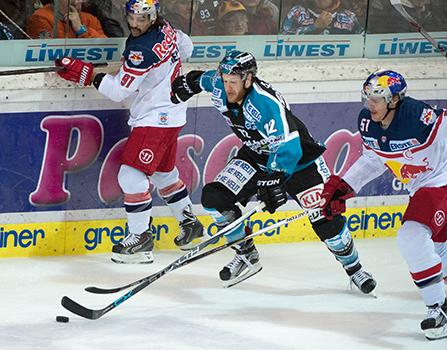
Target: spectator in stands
321, 17
359, 7
428, 13
263, 16
204, 21
5, 33
178, 13
71, 22
18, 12
232, 18
111, 14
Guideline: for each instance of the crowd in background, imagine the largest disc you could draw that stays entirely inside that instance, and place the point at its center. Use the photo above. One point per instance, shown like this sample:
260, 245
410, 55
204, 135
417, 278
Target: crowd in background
22, 19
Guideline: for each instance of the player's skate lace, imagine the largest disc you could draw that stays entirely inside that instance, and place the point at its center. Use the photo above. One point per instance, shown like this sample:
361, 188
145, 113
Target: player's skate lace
436, 317
233, 264
130, 240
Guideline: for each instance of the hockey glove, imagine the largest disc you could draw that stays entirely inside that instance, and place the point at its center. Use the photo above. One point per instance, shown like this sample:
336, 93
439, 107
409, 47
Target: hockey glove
333, 199
186, 86
75, 70
272, 192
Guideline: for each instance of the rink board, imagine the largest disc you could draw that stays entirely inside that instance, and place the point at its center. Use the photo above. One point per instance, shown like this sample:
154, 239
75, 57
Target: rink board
98, 236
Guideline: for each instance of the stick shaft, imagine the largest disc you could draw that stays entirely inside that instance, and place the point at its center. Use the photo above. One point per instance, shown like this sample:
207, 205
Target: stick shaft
40, 70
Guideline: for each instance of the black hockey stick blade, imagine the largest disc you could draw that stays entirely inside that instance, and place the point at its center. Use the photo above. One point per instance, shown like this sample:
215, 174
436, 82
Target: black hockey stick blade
397, 4
80, 310
40, 70
192, 256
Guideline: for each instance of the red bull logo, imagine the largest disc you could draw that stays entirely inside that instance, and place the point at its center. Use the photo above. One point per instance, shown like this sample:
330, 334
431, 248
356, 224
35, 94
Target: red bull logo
406, 172
136, 57
393, 81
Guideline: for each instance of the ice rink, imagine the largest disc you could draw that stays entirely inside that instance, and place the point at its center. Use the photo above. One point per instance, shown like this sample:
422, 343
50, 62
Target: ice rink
298, 301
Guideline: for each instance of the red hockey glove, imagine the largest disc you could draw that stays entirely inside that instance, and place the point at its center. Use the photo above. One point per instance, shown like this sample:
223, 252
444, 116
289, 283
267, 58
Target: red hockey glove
333, 199
75, 70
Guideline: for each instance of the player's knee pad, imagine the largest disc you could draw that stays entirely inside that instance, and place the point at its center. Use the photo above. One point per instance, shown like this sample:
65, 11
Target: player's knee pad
217, 196
165, 179
327, 229
132, 180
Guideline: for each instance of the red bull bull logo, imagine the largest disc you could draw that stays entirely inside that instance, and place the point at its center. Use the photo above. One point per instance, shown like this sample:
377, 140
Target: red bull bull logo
406, 172
136, 57
392, 81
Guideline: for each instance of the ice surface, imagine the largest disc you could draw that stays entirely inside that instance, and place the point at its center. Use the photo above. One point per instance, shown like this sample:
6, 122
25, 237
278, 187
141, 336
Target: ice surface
298, 301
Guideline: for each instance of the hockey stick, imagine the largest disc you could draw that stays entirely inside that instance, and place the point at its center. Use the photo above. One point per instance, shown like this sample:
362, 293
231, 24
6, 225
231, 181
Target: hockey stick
91, 314
187, 256
41, 70
398, 6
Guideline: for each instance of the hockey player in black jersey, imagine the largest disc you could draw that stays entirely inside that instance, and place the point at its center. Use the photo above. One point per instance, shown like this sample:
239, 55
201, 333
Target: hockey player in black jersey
278, 157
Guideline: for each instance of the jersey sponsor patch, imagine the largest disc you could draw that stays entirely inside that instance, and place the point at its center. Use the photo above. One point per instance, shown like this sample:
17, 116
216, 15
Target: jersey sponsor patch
235, 175
251, 112
403, 144
428, 116
310, 198
136, 57
371, 142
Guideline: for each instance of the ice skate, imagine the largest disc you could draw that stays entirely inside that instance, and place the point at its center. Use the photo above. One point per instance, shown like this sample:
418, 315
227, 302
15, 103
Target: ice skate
363, 281
191, 233
134, 249
435, 324
244, 265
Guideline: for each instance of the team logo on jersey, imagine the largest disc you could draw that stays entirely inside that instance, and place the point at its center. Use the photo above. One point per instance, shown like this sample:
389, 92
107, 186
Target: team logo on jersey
428, 116
439, 218
404, 144
163, 119
146, 156
406, 172
383, 139
136, 57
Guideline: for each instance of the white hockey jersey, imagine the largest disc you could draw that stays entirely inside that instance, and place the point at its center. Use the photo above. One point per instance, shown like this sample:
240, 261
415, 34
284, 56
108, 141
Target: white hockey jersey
413, 147
150, 63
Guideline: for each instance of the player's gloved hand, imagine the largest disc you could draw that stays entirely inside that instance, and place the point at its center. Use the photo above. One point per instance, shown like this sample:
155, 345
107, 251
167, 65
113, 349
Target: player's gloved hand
186, 86
333, 199
272, 191
75, 70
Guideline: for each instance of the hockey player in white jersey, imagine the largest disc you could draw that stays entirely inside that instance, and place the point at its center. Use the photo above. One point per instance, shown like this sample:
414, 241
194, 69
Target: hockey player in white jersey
151, 61
409, 138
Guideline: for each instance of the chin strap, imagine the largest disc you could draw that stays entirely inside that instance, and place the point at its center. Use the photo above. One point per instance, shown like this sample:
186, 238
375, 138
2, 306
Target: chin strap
388, 110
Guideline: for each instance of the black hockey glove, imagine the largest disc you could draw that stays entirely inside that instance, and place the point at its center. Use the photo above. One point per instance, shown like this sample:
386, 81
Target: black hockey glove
186, 86
272, 192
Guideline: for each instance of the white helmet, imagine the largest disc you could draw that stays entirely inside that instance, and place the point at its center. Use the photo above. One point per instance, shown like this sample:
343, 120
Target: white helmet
143, 7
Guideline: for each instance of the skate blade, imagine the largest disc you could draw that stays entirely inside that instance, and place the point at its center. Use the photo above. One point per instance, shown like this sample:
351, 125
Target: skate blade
137, 258
354, 289
436, 333
250, 272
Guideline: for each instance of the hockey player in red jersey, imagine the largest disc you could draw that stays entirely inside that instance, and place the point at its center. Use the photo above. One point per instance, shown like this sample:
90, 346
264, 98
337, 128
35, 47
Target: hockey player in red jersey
408, 137
151, 61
